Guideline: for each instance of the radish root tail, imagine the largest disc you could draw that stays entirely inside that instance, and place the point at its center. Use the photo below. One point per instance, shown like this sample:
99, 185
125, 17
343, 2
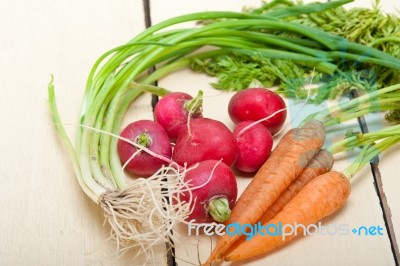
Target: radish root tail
143, 214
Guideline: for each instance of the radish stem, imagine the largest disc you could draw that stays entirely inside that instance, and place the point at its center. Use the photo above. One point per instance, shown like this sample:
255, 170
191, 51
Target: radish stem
219, 209
195, 105
144, 140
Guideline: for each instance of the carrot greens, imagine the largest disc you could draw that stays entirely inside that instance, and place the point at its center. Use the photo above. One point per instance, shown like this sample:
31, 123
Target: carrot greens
367, 26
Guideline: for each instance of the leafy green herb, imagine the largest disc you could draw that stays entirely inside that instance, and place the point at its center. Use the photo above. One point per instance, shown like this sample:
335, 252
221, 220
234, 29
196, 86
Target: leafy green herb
367, 26
236, 71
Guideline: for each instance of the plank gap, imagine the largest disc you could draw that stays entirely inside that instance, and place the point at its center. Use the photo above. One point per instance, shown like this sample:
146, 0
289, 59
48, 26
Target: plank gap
148, 23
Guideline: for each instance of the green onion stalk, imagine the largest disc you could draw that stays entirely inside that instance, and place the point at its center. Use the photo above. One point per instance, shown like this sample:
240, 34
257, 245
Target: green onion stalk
370, 145
370, 151
138, 212
382, 100
358, 139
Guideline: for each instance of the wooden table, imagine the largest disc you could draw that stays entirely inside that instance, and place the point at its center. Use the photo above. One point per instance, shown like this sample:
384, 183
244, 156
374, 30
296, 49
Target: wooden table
46, 219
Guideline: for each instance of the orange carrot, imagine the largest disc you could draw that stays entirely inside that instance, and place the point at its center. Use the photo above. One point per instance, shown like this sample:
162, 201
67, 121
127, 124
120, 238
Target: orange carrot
320, 164
286, 162
321, 197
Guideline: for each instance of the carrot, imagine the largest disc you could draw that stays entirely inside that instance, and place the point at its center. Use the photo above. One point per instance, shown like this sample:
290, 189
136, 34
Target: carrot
286, 162
321, 197
320, 164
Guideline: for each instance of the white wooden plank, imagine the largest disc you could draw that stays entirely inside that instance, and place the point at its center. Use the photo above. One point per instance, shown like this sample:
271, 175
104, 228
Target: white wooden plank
362, 208
45, 217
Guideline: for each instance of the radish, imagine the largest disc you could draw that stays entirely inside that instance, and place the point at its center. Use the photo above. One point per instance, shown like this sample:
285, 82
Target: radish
147, 134
254, 143
173, 110
205, 139
213, 192
256, 104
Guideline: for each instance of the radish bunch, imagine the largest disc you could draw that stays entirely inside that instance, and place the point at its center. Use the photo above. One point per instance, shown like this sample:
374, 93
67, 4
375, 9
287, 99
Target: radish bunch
207, 148
258, 104
259, 114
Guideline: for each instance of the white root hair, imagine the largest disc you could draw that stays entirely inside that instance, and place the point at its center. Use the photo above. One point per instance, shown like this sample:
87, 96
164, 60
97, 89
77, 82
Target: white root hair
144, 213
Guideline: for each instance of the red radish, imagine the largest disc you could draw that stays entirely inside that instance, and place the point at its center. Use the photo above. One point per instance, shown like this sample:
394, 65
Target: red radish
254, 144
205, 139
214, 192
152, 136
255, 104
173, 110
